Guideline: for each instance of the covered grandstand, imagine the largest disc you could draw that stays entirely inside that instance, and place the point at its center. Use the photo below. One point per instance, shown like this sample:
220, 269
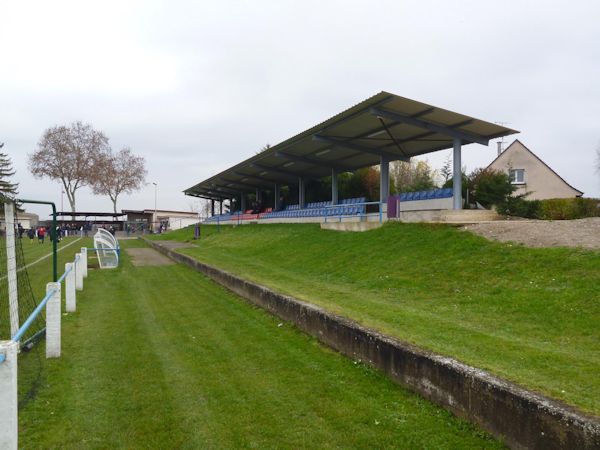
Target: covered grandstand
377, 131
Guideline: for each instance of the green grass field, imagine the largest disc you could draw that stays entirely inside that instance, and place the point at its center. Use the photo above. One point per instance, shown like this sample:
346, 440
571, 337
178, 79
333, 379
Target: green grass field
160, 357
41, 271
527, 315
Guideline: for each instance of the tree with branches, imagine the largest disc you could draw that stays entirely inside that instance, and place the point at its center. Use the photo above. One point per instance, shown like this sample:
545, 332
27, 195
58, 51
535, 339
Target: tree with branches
69, 154
118, 173
7, 188
412, 176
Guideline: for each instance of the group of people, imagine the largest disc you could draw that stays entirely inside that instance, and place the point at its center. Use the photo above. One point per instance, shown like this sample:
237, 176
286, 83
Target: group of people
39, 233
64, 230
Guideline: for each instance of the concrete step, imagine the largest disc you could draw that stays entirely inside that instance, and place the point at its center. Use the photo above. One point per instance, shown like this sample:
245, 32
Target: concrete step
469, 216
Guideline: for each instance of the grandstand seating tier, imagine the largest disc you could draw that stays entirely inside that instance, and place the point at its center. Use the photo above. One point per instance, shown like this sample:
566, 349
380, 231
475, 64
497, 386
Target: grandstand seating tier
345, 207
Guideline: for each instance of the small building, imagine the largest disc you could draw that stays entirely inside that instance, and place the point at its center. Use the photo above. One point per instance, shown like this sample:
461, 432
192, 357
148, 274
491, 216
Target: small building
532, 175
27, 220
150, 219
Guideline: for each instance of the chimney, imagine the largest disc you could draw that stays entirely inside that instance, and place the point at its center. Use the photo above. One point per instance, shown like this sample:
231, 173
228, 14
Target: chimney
499, 147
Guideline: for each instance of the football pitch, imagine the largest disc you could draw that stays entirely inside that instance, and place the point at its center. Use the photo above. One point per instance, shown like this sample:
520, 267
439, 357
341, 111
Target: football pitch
161, 357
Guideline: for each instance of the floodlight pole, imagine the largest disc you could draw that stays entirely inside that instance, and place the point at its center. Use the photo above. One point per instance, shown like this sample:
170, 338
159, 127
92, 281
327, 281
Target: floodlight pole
334, 187
155, 197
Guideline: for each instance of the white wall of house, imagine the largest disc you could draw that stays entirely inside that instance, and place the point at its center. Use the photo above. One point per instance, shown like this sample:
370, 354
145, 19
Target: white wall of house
538, 178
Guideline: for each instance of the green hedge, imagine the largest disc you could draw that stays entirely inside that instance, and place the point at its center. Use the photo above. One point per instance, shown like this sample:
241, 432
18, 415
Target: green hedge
569, 208
551, 209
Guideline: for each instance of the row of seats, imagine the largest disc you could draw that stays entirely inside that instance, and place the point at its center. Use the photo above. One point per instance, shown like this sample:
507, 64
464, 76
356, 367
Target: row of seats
425, 195
349, 210
346, 207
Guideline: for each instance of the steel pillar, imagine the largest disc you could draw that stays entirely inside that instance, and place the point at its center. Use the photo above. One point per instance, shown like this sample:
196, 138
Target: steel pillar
212, 207
301, 192
242, 202
457, 175
334, 187
221, 207
384, 179
276, 193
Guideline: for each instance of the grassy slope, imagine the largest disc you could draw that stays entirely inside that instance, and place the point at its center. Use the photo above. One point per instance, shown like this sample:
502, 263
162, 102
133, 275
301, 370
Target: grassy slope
529, 315
159, 357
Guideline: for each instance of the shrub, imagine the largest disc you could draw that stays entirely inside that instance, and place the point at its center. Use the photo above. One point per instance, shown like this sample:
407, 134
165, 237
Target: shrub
519, 207
490, 187
569, 208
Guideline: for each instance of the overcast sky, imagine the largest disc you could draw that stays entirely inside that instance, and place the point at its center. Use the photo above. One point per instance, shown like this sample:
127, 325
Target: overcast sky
197, 86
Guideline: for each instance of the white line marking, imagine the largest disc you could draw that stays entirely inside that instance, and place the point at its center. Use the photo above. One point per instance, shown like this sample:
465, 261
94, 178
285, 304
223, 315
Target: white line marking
42, 258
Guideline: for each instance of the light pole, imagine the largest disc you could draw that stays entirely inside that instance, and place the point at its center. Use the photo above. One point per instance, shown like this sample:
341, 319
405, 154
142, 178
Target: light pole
155, 197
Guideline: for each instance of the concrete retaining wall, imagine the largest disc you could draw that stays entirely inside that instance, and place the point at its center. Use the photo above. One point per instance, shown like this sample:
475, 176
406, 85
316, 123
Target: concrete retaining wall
520, 418
351, 226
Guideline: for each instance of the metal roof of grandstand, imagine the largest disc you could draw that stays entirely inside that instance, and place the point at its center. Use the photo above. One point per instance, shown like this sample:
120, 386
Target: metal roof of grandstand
387, 125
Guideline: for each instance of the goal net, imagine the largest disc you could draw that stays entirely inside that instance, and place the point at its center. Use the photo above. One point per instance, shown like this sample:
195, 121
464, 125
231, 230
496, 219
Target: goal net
17, 299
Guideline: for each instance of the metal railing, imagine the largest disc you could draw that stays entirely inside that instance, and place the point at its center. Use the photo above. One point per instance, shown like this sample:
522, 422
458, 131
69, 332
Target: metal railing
21, 331
362, 214
239, 217
73, 279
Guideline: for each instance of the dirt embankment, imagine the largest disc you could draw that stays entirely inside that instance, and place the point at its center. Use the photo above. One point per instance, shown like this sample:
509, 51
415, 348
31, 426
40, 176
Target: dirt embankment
584, 233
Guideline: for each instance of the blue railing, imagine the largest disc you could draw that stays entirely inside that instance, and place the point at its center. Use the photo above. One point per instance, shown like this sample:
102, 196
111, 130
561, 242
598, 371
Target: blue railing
21, 331
33, 316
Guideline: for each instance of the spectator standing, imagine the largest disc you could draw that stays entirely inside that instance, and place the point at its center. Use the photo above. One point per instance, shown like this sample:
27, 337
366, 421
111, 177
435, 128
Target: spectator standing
41, 233
31, 235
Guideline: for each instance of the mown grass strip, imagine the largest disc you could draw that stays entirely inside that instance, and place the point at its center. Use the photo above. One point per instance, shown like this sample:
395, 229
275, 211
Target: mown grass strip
528, 315
160, 357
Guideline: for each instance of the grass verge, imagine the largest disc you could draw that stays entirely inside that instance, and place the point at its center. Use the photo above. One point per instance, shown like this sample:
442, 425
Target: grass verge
527, 315
160, 357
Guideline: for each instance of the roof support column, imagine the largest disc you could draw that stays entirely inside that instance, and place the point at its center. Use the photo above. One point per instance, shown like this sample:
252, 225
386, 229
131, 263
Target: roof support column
276, 194
212, 209
301, 191
457, 175
384, 179
257, 195
221, 207
334, 187
242, 202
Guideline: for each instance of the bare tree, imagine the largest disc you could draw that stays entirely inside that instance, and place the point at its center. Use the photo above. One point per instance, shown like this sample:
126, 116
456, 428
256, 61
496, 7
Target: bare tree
119, 173
69, 154
446, 170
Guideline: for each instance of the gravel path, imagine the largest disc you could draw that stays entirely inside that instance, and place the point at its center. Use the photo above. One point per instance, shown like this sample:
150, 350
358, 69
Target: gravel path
583, 233
148, 257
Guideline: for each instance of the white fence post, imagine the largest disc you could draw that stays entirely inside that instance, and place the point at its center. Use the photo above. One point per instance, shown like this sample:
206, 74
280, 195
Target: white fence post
9, 429
70, 296
53, 313
84, 261
78, 272
11, 263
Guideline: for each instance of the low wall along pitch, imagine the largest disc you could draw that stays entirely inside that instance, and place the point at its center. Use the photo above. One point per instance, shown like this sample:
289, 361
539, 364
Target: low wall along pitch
522, 419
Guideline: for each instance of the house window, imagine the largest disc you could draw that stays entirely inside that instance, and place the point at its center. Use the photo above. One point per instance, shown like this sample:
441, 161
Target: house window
517, 176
